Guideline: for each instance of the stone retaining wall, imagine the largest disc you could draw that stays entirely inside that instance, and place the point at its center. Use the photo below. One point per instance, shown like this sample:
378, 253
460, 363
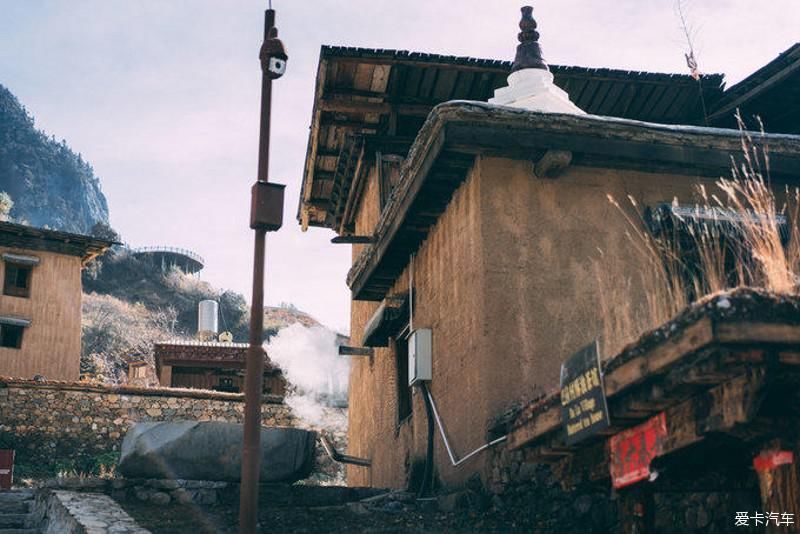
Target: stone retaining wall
703, 503
46, 421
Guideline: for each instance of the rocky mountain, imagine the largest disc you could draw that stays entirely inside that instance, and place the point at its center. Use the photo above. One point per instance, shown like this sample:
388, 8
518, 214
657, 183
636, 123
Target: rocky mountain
49, 184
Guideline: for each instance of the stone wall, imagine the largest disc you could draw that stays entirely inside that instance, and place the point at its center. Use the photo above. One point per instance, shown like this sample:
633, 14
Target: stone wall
48, 421
695, 501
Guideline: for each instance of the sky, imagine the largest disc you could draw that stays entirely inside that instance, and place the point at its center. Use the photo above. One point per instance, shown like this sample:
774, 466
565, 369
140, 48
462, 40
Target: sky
162, 96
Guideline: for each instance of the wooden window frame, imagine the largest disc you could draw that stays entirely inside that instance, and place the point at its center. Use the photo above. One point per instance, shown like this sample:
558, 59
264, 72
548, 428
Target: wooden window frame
11, 287
405, 404
20, 334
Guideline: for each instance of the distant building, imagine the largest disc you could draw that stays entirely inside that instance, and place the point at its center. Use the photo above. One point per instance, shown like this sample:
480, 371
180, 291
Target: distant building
139, 373
40, 306
473, 193
168, 257
210, 365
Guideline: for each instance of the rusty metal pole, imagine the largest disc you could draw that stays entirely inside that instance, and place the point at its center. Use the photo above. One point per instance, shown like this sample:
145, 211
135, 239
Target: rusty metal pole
266, 214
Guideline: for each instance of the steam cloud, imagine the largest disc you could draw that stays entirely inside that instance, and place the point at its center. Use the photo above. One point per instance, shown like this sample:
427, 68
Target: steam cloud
318, 376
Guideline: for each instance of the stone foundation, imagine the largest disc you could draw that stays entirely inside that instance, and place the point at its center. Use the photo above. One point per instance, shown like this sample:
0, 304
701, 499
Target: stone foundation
690, 501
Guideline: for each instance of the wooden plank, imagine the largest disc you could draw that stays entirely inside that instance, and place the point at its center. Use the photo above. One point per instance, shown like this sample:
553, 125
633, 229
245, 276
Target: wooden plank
345, 350
612, 99
429, 77
721, 409
693, 338
463, 87
789, 358
354, 196
540, 424
654, 99
749, 332
411, 85
362, 80
494, 67
634, 371
346, 75
758, 89
445, 84
380, 78
340, 105
659, 111
352, 239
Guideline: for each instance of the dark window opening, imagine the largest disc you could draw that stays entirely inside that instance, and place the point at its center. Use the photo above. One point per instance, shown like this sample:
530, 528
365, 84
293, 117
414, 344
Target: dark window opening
691, 238
11, 336
17, 281
226, 384
404, 407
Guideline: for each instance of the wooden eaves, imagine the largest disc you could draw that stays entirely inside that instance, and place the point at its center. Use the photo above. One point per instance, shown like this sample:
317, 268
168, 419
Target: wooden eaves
456, 132
378, 99
30, 238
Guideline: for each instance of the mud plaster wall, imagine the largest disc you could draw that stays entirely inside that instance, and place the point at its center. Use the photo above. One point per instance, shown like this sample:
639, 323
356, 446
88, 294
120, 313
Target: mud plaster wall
541, 258
51, 345
447, 281
506, 282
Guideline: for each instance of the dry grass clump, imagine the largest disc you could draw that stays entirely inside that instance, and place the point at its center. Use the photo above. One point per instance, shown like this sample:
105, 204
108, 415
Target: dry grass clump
742, 234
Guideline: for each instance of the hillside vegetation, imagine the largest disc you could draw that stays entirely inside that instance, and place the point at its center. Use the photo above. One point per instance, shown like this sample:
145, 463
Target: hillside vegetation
129, 304
50, 185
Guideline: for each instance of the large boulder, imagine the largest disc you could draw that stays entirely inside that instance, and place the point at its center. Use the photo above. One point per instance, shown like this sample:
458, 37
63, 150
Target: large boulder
212, 450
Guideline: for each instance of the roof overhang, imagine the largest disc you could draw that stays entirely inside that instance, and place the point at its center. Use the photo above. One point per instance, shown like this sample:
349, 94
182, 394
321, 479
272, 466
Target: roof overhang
216, 355
769, 93
456, 132
24, 237
369, 101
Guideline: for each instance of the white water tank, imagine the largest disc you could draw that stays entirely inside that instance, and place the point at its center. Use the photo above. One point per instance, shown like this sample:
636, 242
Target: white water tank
208, 317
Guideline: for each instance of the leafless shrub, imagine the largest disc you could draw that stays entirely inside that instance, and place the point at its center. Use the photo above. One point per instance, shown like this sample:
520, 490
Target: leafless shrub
116, 333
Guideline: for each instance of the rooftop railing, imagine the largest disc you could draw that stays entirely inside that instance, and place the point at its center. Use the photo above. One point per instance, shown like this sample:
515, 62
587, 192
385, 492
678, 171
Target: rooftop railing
169, 250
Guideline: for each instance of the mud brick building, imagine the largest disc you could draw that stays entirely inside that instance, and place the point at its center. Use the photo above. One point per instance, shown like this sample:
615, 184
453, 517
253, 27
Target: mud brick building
210, 365
40, 306
473, 193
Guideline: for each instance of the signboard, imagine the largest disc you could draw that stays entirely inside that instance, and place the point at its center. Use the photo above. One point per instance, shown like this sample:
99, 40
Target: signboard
632, 450
583, 401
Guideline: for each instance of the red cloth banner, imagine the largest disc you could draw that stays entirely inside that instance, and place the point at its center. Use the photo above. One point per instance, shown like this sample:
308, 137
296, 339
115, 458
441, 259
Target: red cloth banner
632, 450
768, 461
6, 469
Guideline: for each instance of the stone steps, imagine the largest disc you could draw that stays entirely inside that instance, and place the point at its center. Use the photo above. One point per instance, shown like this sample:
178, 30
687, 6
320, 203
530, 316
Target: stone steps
15, 512
15, 507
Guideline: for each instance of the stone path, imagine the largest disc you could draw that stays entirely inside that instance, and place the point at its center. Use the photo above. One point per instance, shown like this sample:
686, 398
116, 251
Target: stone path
16, 512
92, 513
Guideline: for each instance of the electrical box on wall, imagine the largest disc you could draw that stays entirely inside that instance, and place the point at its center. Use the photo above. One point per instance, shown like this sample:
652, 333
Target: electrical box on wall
419, 356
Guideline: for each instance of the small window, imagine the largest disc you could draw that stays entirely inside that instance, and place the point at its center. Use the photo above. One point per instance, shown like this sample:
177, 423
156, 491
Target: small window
404, 406
11, 336
17, 280
226, 384
140, 371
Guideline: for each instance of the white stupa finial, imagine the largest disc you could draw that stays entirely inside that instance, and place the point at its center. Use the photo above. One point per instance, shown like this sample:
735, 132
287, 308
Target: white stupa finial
530, 84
